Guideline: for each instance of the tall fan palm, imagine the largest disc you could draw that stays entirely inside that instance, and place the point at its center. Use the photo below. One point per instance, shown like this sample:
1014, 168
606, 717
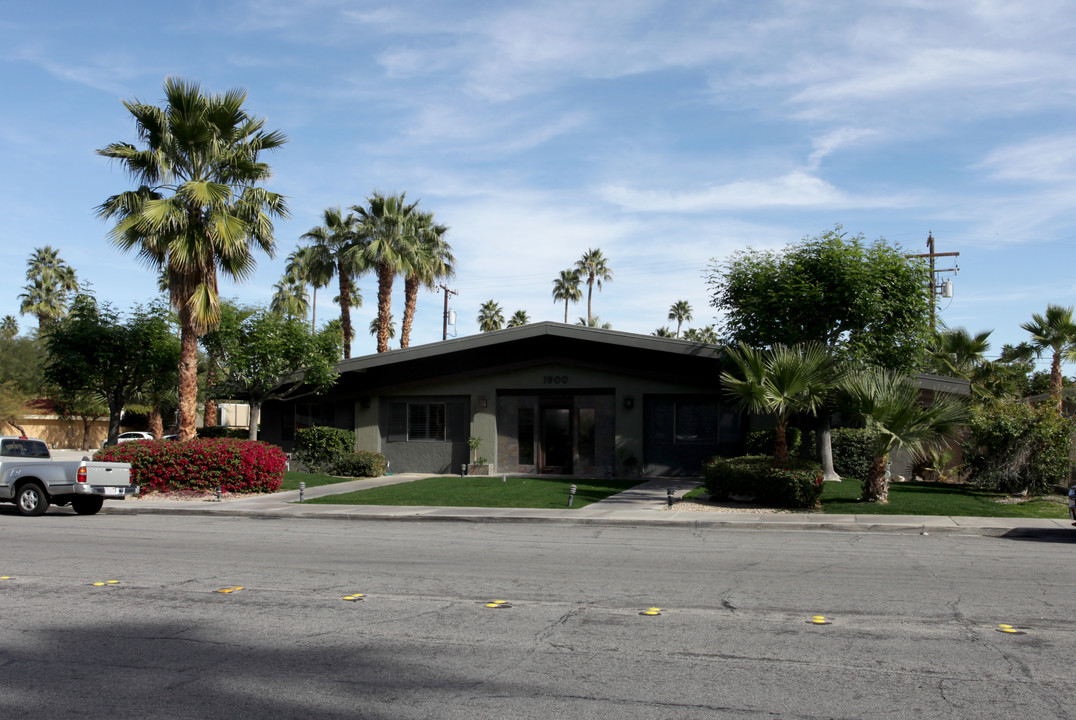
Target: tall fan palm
199, 208
388, 234
566, 288
890, 405
431, 260
519, 319
337, 244
312, 265
1055, 331
595, 267
290, 298
957, 352
780, 381
490, 316
51, 283
680, 311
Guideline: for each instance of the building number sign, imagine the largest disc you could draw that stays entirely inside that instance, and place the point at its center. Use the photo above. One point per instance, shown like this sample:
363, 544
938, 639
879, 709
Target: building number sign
555, 380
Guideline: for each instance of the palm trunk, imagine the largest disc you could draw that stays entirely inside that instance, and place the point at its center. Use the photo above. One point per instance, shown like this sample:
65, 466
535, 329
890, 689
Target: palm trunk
188, 380
385, 276
209, 412
780, 443
314, 310
590, 294
565, 311
410, 301
824, 447
1055, 381
86, 423
156, 424
876, 485
345, 308
255, 418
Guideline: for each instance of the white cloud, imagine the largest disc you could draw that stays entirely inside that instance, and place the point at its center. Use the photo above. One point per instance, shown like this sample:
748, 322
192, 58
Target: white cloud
1042, 160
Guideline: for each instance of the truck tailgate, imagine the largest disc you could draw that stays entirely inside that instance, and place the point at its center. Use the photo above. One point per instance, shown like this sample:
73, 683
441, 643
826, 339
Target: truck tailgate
108, 474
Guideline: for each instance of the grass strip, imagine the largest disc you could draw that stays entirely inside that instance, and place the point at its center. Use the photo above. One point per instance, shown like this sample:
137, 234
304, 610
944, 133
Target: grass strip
485, 491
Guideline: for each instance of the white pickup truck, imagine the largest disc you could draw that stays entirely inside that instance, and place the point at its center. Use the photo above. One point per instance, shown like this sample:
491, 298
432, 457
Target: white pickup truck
33, 480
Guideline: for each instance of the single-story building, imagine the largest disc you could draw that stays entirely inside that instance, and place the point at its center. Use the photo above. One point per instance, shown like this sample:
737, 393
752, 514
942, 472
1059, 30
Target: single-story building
542, 398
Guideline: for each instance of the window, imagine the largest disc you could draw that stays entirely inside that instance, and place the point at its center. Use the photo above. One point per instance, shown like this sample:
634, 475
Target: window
586, 435
696, 422
526, 436
426, 422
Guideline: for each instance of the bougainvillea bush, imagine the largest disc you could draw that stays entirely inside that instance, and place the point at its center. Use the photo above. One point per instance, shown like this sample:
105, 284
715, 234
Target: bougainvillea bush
237, 466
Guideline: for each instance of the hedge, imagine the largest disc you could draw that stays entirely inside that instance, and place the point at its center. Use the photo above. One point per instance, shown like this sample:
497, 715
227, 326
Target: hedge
320, 447
237, 466
852, 453
361, 463
796, 484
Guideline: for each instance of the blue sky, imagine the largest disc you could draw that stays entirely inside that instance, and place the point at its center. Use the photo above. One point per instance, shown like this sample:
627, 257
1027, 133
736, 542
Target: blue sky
664, 133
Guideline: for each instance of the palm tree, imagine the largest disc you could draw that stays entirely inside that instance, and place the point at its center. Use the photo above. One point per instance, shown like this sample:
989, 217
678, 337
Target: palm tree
703, 335
388, 234
9, 327
519, 319
780, 381
431, 260
890, 406
290, 298
957, 353
566, 288
375, 325
490, 317
595, 267
313, 265
680, 311
337, 248
662, 332
50, 283
594, 322
1055, 331
198, 209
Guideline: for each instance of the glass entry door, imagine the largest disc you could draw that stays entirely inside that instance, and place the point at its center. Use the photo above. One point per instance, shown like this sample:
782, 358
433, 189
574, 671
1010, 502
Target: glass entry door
556, 441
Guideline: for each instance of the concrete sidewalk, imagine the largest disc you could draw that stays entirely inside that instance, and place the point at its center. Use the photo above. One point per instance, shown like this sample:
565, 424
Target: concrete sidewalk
644, 505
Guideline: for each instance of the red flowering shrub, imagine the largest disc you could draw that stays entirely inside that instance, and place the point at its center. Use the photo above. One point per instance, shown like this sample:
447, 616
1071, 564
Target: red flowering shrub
238, 466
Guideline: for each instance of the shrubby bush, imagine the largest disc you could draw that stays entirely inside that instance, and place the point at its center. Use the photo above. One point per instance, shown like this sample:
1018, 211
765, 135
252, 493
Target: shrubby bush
223, 431
320, 447
238, 466
1018, 447
852, 453
361, 463
796, 484
764, 442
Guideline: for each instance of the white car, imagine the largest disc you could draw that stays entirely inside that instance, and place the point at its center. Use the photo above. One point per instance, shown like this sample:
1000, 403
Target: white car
133, 435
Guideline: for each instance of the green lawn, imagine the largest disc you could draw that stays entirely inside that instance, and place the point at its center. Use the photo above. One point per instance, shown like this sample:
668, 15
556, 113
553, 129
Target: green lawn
292, 480
926, 498
482, 491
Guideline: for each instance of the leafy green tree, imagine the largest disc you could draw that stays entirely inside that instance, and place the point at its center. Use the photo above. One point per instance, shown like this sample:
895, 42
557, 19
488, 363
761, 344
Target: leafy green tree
199, 208
50, 284
780, 381
269, 357
680, 312
566, 288
490, 316
13, 401
519, 319
595, 268
865, 302
337, 249
431, 259
22, 361
891, 406
385, 223
1055, 332
93, 350
85, 406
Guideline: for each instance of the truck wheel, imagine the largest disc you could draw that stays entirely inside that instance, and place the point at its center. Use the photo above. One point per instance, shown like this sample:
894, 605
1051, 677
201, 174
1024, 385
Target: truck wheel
87, 504
32, 500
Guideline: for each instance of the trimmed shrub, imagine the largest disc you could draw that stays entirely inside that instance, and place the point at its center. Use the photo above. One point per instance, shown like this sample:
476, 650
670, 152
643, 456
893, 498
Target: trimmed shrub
797, 484
238, 466
320, 447
764, 442
361, 463
852, 453
1018, 447
223, 431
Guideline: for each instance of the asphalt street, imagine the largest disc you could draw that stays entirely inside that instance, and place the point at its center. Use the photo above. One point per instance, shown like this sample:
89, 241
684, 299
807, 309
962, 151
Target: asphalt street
751, 623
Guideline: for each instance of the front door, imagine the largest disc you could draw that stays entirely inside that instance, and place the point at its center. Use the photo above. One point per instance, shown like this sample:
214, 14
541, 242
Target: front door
556, 441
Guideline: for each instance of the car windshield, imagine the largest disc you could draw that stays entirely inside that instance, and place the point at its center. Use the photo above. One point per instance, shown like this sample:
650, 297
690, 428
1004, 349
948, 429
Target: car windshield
23, 448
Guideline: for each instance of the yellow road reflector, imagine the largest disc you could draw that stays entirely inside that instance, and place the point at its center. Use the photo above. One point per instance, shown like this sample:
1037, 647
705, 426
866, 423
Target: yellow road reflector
354, 598
5, 577
107, 582
498, 604
820, 620
229, 590
1010, 629
651, 611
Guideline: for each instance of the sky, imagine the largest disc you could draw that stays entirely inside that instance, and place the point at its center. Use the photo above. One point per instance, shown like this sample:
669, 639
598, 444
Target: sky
666, 134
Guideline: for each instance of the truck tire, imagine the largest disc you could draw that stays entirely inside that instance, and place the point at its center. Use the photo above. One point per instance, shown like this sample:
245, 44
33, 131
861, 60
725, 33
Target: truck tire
87, 504
32, 500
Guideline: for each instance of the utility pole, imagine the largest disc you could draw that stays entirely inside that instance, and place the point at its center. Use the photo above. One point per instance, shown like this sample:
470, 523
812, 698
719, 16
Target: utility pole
444, 332
945, 288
